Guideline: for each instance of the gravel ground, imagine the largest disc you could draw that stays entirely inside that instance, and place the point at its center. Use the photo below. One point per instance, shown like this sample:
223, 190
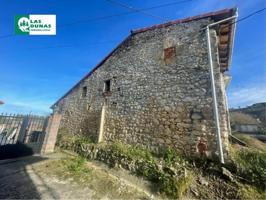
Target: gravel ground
26, 178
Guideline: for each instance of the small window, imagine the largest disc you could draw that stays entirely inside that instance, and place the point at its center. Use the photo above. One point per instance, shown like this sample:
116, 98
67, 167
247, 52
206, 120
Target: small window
84, 91
169, 53
107, 86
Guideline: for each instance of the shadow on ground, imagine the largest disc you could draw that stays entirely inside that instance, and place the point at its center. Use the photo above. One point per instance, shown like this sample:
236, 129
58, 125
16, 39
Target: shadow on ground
14, 151
16, 179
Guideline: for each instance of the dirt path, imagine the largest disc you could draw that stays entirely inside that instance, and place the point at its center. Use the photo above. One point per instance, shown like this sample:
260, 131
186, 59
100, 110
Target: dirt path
32, 178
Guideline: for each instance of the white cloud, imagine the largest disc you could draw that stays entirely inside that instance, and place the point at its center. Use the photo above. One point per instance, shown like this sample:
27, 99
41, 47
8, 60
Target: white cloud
203, 6
247, 95
25, 108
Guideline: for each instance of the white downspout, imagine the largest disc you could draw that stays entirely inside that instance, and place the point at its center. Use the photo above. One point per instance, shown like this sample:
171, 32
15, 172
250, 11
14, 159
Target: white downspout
100, 137
215, 104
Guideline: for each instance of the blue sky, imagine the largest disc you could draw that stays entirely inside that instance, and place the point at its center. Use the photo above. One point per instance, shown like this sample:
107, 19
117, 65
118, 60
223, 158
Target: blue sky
37, 70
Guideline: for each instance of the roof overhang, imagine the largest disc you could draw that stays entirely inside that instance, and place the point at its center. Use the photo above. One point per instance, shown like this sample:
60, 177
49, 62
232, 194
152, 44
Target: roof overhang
226, 34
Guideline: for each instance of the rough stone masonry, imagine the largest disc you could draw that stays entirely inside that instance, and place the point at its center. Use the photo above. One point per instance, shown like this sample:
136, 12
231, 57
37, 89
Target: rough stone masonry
154, 89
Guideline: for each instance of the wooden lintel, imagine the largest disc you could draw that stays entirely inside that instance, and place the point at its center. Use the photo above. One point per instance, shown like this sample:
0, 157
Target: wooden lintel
224, 29
224, 39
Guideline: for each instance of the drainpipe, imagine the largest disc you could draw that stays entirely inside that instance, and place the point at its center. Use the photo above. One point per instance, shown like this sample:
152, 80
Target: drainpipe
214, 96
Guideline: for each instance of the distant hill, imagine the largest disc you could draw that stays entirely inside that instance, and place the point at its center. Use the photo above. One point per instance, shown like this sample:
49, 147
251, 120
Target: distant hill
257, 110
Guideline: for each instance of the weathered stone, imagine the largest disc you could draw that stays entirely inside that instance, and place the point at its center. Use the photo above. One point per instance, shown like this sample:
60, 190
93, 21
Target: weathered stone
227, 174
196, 116
203, 181
150, 96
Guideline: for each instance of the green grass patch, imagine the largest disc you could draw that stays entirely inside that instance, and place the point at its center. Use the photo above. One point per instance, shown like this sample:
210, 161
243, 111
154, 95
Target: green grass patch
251, 165
76, 168
252, 142
102, 186
133, 152
250, 192
172, 171
176, 187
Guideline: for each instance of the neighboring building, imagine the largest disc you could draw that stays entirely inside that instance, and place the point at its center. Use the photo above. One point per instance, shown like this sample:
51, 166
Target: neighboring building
244, 123
257, 110
154, 89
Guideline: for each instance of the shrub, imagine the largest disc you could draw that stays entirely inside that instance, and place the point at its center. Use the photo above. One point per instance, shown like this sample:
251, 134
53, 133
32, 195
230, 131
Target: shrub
133, 152
170, 176
175, 187
169, 156
76, 165
249, 192
251, 165
252, 142
263, 130
68, 141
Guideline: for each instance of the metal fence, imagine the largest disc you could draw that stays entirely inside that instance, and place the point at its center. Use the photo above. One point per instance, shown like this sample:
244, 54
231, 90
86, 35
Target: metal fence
27, 129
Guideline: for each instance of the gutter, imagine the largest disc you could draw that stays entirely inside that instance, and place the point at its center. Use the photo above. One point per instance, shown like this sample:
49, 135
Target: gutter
214, 96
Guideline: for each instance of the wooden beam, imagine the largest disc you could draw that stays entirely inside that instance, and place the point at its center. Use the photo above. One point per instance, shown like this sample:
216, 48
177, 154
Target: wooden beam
223, 60
224, 29
223, 54
223, 47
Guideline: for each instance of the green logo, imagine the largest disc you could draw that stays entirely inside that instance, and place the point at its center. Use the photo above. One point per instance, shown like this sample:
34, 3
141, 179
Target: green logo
22, 24
35, 24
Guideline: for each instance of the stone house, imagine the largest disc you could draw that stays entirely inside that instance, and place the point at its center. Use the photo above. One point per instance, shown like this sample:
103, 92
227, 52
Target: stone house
155, 88
244, 123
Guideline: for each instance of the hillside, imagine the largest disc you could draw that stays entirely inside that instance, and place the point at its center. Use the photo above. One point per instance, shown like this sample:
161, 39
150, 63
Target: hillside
257, 110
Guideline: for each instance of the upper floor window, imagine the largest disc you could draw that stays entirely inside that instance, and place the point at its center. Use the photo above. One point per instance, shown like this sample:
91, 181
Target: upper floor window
107, 86
169, 53
84, 91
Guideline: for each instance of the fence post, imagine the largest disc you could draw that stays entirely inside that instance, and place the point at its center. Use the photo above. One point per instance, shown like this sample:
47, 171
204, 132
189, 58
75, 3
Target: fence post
23, 129
51, 133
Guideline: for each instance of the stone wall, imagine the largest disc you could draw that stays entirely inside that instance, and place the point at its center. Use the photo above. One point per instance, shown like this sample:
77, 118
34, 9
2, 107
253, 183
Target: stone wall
158, 98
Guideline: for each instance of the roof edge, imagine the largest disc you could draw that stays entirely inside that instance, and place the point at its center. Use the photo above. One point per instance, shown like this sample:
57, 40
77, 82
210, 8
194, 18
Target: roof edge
133, 32
94, 69
188, 19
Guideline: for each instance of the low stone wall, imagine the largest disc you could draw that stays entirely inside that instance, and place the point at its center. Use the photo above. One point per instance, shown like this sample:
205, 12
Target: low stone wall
167, 176
114, 158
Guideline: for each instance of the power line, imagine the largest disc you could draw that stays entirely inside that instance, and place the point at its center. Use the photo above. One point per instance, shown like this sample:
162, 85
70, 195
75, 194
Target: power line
191, 38
251, 14
242, 19
136, 10
72, 45
197, 33
111, 16
123, 13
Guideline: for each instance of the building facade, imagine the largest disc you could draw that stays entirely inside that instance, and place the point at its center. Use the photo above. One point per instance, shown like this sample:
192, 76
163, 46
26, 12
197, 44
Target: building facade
154, 89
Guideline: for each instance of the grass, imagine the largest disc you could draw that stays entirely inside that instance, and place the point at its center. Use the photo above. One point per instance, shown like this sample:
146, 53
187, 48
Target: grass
77, 166
250, 192
176, 187
247, 163
132, 151
251, 165
100, 182
252, 142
